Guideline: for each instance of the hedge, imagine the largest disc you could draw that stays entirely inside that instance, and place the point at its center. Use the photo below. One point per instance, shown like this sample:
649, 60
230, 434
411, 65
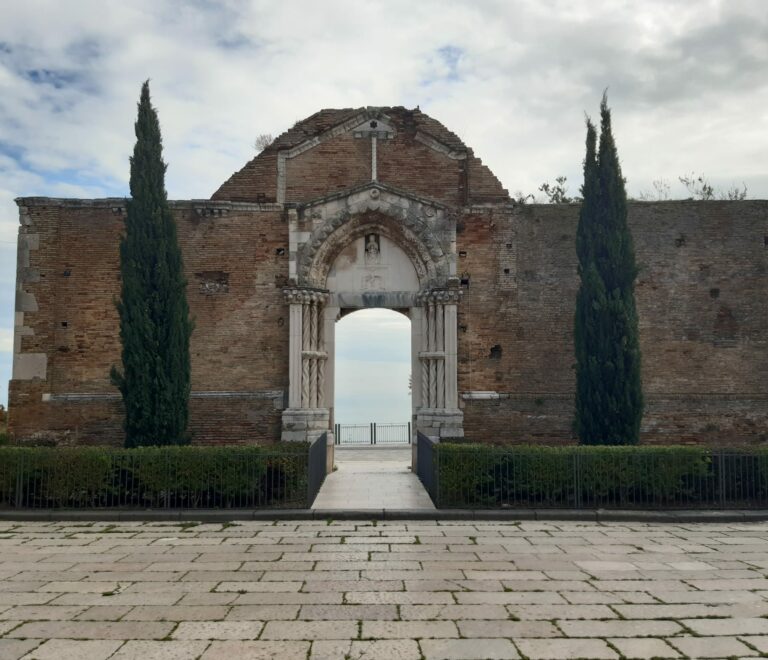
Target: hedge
470, 475
151, 477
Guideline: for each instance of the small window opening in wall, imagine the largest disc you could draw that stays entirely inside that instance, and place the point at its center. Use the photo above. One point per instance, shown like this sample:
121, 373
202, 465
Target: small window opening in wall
506, 271
462, 253
65, 324
509, 246
281, 322
680, 240
463, 328
280, 252
261, 198
714, 293
67, 272
465, 280
495, 353
374, 124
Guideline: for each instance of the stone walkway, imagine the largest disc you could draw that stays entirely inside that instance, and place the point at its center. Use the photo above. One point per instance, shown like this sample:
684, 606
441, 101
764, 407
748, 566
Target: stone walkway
91, 591
372, 478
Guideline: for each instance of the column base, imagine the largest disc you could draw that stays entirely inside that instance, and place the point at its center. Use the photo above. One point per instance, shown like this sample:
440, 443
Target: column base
440, 423
304, 424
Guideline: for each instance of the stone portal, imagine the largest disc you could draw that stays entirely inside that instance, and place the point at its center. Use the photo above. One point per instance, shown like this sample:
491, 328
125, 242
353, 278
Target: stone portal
375, 247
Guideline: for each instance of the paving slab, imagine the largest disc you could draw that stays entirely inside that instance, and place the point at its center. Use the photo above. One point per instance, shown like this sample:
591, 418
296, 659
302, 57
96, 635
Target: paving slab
711, 647
72, 649
468, 649
373, 588
372, 479
165, 650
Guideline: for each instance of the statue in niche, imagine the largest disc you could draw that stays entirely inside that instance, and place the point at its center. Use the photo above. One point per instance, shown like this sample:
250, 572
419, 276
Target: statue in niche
372, 250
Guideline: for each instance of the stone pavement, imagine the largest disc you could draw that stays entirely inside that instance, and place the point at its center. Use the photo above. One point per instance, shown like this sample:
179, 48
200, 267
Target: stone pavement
325, 589
372, 478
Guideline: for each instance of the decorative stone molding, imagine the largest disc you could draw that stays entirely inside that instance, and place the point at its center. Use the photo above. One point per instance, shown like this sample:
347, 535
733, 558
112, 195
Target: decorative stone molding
413, 224
304, 296
432, 143
443, 296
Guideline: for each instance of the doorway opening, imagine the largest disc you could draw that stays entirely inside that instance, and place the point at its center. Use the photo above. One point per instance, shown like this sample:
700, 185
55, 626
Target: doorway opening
373, 404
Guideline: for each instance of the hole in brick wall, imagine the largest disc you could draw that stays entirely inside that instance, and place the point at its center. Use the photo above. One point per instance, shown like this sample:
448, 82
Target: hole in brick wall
680, 240
213, 281
506, 271
67, 272
509, 246
495, 353
281, 322
261, 198
374, 124
463, 328
280, 252
65, 324
465, 280
462, 253
714, 293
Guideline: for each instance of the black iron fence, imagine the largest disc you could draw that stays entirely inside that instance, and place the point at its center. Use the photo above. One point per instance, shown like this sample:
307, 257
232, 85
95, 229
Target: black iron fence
318, 455
426, 465
279, 476
374, 433
472, 476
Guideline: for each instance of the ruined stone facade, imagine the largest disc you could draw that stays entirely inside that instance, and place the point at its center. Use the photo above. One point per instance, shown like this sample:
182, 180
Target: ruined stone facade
387, 208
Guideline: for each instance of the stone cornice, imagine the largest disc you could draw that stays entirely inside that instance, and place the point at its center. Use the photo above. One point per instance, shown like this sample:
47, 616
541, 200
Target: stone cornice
113, 203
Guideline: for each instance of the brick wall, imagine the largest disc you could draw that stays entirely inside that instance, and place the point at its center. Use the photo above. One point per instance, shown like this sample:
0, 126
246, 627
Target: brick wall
701, 296
703, 321
236, 265
441, 171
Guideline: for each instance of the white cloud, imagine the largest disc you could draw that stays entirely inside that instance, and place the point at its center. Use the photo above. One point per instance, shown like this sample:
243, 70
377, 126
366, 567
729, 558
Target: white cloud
6, 340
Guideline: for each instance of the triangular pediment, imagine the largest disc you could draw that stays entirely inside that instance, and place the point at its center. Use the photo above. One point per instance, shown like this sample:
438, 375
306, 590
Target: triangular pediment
373, 190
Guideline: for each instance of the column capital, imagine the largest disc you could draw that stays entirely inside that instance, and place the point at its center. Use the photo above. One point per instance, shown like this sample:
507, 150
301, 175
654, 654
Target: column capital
446, 296
303, 296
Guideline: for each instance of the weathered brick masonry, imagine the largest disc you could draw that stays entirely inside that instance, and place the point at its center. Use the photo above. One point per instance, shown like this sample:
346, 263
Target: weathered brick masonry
701, 295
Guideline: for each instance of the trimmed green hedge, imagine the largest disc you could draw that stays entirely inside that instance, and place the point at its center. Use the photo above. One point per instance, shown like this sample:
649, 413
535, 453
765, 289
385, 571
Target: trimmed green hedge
471, 475
150, 477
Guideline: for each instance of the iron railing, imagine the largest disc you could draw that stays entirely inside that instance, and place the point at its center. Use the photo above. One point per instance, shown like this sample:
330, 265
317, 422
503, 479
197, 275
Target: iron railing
160, 477
374, 433
426, 465
474, 476
318, 455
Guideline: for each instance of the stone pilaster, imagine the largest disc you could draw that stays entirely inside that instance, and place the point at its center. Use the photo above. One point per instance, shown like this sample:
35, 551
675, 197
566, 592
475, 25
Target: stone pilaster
439, 414
305, 418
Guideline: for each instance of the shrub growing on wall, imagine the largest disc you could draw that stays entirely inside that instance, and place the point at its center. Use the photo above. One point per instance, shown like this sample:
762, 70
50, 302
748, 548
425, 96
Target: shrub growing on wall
609, 398
154, 317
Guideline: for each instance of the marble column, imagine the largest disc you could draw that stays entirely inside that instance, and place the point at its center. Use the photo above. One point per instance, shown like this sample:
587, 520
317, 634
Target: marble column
306, 417
439, 415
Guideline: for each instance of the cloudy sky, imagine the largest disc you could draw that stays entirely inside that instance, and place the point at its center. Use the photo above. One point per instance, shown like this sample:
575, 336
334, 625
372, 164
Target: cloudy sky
687, 81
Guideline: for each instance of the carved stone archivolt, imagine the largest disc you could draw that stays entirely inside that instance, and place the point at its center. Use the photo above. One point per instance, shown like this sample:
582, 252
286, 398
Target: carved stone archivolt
421, 229
416, 240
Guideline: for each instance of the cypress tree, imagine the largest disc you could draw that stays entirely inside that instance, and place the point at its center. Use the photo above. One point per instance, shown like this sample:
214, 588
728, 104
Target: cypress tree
154, 317
609, 398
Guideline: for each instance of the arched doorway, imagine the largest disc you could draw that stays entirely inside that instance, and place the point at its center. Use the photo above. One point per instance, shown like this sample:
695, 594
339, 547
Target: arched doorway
380, 257
372, 402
